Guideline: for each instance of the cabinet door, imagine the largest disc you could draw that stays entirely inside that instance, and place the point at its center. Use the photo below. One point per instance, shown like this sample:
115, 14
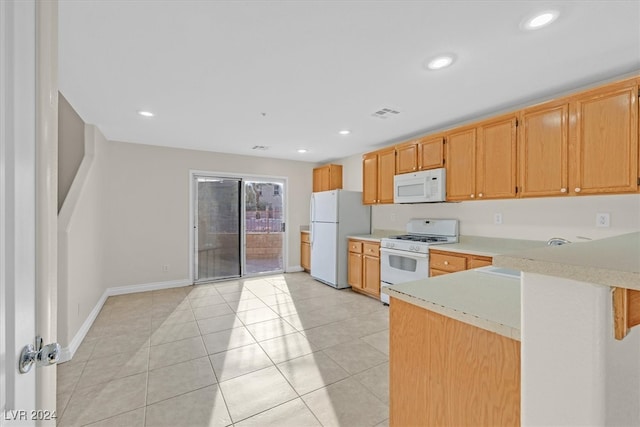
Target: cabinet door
371, 275
496, 159
370, 179
407, 158
431, 153
386, 172
543, 137
305, 256
461, 164
320, 179
354, 270
605, 150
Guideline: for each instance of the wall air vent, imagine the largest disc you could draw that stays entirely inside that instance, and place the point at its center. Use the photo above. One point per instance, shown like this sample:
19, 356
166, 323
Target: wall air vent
260, 147
385, 113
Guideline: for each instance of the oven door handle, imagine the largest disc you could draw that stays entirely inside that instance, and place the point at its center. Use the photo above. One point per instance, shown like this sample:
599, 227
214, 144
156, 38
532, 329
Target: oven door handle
407, 254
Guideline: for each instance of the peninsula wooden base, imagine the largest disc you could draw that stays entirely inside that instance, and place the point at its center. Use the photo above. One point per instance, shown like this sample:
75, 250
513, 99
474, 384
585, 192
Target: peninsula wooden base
447, 373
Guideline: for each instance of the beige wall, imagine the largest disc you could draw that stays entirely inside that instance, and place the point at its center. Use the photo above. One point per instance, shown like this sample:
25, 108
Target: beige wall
536, 219
147, 207
70, 146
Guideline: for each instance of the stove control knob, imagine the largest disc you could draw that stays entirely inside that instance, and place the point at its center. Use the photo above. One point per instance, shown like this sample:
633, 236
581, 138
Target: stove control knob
389, 244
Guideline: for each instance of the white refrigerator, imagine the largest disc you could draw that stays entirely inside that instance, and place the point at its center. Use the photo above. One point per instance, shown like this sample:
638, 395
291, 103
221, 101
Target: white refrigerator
335, 215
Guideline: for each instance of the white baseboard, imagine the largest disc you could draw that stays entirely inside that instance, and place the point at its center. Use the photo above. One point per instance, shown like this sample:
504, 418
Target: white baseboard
294, 269
67, 353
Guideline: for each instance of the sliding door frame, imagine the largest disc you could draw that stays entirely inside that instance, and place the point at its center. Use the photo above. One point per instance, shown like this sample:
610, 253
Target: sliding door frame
193, 173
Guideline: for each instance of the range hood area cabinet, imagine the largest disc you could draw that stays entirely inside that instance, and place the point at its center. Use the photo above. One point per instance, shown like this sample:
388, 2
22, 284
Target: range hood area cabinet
584, 143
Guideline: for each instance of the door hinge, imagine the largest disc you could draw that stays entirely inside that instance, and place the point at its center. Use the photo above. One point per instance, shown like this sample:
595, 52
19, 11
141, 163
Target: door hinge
517, 122
638, 180
516, 189
444, 161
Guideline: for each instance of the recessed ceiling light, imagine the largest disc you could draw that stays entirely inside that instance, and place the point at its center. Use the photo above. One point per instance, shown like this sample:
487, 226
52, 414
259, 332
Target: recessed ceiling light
146, 113
344, 132
302, 150
439, 62
540, 20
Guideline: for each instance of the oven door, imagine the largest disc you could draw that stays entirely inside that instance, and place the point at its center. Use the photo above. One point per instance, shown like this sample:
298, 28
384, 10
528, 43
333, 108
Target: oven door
401, 266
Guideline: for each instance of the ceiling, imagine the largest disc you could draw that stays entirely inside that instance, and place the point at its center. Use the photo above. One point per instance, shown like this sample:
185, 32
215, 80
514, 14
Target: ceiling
227, 76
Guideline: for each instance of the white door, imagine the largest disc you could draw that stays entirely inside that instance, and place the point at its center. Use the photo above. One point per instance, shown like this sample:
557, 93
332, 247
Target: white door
25, 117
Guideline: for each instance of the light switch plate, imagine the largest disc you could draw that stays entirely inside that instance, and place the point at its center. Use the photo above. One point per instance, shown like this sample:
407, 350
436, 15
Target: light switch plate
497, 218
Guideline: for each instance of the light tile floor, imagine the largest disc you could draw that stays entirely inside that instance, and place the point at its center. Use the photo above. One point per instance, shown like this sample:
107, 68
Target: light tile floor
281, 350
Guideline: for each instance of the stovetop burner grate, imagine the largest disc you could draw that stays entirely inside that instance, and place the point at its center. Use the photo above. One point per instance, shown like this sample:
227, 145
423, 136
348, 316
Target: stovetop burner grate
417, 238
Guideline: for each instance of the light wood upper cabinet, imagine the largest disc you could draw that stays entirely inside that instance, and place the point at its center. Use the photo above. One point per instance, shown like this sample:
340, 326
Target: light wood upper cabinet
461, 164
481, 160
327, 177
420, 154
496, 158
378, 170
604, 143
543, 144
431, 153
407, 157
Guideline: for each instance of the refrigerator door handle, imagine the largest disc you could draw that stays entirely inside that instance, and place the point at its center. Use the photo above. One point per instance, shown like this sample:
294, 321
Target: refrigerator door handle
311, 214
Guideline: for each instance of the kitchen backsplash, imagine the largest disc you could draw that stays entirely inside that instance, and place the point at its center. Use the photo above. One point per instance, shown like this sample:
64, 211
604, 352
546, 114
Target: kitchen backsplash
535, 219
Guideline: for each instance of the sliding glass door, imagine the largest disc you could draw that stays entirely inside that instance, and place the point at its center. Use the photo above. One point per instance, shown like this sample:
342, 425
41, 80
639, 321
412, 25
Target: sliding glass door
238, 227
264, 226
217, 228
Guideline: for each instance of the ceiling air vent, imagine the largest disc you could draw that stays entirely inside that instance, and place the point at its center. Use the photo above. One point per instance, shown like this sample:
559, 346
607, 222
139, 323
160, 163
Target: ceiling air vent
260, 147
385, 113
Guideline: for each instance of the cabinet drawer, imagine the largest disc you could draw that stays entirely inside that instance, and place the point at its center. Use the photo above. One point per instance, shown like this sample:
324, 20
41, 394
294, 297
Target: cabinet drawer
355, 247
448, 262
371, 249
304, 237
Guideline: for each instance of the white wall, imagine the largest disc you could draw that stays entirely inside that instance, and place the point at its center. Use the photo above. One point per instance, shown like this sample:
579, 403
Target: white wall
535, 219
70, 146
574, 372
147, 207
81, 240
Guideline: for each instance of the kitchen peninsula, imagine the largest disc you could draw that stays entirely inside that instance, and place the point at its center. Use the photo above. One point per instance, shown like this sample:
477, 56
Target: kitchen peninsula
456, 342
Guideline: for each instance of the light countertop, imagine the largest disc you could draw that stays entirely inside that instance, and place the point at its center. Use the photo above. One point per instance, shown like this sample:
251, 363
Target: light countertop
613, 261
377, 235
489, 246
483, 300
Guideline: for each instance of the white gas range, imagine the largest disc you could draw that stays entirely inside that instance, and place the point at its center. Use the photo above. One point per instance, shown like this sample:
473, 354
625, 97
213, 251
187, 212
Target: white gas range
405, 258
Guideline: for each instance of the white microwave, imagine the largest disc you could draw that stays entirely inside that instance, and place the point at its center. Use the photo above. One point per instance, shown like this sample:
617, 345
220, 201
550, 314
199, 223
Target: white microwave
420, 187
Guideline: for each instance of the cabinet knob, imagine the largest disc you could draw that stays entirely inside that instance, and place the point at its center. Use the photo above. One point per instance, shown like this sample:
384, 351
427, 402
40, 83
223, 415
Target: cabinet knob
563, 190
472, 196
578, 189
480, 195
446, 263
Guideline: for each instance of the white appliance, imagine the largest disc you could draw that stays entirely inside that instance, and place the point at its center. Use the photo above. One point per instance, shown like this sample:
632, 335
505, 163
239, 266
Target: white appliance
405, 258
420, 187
335, 215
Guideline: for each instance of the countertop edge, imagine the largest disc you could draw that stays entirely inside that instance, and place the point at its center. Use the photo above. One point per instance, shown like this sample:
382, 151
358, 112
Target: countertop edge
469, 319
582, 273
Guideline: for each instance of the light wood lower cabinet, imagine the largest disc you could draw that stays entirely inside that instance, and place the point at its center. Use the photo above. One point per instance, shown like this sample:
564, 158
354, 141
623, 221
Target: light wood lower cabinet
305, 251
444, 372
363, 272
444, 262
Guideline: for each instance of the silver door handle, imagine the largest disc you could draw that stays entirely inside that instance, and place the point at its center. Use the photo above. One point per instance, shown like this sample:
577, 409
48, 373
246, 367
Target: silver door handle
41, 355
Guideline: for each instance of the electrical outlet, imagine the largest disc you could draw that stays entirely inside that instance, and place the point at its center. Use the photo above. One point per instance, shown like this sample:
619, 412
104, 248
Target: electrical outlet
603, 220
393, 217
165, 267
497, 218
